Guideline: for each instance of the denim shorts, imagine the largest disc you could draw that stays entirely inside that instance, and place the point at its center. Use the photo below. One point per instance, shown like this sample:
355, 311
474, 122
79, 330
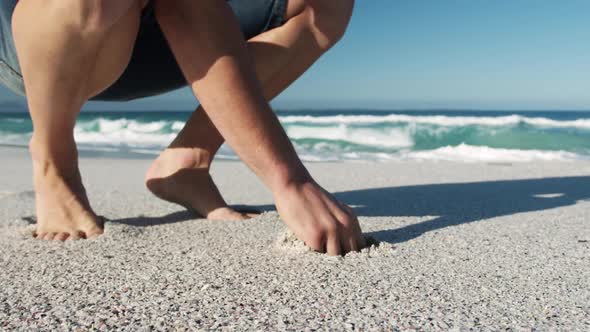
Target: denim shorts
153, 69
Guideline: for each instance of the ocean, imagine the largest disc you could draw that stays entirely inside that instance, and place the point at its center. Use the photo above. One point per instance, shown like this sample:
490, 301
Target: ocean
354, 135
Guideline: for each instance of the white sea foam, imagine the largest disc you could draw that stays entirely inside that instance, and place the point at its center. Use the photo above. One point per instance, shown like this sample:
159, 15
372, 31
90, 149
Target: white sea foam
388, 138
460, 153
123, 133
124, 139
126, 132
177, 125
469, 153
149, 127
332, 138
440, 120
15, 139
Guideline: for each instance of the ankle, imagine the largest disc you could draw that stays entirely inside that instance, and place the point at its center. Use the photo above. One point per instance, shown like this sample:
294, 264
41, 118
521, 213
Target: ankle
181, 158
173, 160
202, 158
54, 159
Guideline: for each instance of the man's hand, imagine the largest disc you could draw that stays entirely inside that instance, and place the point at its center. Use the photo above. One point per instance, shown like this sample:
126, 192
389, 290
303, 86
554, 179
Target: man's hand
318, 219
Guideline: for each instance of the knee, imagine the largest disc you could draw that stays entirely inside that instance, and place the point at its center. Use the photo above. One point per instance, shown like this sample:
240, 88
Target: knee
329, 20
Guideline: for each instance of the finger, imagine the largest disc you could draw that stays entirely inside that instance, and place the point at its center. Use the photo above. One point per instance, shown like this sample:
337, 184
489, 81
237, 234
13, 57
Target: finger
346, 247
356, 240
317, 243
346, 208
355, 244
340, 210
350, 241
359, 239
346, 238
349, 233
348, 219
333, 245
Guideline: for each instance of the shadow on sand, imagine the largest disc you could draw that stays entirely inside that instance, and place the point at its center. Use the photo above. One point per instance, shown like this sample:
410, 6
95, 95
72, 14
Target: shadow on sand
460, 203
453, 204
143, 221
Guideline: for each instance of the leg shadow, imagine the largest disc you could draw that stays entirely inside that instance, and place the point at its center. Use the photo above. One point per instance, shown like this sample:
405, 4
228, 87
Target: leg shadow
171, 218
184, 215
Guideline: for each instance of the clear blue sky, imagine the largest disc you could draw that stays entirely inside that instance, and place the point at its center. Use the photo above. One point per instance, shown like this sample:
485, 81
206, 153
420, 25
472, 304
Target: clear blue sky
486, 54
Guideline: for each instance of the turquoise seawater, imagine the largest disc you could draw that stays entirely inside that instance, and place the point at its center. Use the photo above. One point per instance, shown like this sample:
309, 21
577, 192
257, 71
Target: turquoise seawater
352, 135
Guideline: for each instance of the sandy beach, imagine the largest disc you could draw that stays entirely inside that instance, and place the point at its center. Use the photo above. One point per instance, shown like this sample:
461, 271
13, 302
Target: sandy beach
461, 246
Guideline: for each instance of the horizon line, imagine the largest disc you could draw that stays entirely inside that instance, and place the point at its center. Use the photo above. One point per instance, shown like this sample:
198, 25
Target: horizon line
340, 109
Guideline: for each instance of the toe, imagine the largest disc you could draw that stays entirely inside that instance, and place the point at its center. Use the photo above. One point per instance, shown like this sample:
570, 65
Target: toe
49, 236
61, 236
77, 235
93, 235
40, 236
93, 232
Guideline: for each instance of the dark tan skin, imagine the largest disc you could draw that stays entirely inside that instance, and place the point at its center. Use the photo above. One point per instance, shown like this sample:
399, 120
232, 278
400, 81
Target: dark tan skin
232, 79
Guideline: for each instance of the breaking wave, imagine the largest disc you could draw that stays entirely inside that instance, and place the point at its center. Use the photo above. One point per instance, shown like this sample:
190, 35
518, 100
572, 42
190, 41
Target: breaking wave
335, 137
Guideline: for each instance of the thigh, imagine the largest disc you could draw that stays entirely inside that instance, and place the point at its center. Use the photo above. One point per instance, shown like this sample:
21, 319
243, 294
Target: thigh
153, 69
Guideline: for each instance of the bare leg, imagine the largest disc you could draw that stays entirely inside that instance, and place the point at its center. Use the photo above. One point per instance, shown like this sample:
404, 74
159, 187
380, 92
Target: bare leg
281, 55
67, 56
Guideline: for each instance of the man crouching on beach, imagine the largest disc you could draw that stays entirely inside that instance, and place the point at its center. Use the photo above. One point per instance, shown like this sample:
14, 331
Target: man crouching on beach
71, 51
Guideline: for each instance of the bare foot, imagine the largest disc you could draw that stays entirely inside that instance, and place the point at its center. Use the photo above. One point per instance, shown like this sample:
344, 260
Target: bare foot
62, 207
181, 176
